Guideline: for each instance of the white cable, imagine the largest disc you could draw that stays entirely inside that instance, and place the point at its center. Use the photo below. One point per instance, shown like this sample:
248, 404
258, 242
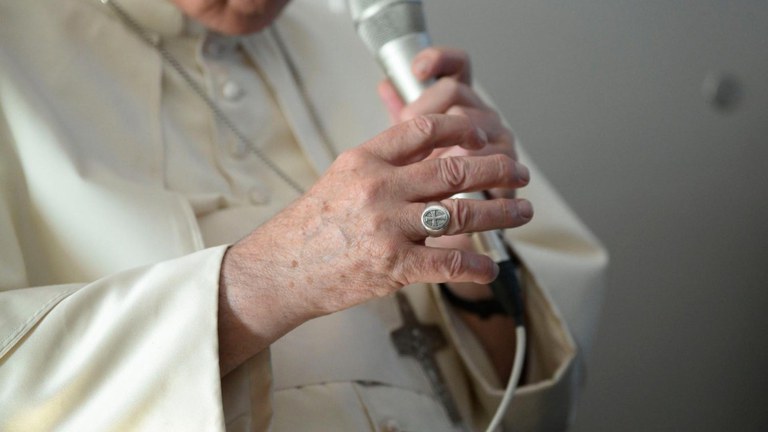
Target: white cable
514, 378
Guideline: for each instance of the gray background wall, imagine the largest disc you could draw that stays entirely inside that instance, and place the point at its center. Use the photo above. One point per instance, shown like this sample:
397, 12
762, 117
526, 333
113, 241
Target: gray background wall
607, 97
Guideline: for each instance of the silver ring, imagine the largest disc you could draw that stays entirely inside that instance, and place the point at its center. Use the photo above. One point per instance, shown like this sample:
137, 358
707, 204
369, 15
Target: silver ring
435, 219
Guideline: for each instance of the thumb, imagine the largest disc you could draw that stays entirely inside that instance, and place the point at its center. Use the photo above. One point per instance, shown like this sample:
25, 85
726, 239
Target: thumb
391, 100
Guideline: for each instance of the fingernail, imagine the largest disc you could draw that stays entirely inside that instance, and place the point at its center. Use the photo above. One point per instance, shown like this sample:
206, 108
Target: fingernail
525, 209
523, 174
479, 263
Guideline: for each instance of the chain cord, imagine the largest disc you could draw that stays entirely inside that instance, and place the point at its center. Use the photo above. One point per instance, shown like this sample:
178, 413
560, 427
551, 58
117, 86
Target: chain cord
176, 65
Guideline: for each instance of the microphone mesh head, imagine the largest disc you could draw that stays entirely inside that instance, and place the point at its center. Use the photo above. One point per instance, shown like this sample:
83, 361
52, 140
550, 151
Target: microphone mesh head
358, 7
390, 22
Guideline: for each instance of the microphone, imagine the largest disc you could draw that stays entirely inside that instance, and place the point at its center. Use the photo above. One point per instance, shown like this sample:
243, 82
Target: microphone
395, 31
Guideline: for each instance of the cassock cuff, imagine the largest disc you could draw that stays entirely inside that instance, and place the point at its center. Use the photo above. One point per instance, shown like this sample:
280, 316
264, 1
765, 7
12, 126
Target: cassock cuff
134, 350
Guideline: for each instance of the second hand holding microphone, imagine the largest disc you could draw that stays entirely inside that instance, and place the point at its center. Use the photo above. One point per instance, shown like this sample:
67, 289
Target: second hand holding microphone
395, 32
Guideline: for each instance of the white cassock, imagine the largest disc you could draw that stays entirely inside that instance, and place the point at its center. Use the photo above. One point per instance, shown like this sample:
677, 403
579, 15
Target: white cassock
119, 191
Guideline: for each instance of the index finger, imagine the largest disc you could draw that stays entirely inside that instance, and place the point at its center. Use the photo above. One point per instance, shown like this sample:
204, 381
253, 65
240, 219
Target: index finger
414, 140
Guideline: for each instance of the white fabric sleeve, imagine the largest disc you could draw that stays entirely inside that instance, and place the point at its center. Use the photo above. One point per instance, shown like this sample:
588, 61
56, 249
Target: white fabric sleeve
136, 350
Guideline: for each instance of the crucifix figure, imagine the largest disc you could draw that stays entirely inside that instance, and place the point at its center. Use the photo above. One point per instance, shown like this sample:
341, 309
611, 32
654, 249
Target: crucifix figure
422, 341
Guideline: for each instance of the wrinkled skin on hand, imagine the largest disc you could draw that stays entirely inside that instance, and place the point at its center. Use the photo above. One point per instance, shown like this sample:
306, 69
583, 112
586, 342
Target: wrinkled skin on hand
356, 234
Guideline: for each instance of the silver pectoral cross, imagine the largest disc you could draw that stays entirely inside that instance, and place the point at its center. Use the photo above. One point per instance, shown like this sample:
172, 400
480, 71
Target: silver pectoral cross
422, 341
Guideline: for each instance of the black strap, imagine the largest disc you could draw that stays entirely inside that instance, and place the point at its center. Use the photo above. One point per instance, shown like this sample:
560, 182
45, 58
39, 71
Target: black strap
483, 308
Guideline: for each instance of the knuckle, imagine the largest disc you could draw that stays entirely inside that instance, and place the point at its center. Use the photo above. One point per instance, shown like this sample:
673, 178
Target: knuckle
453, 172
505, 166
392, 256
351, 158
391, 251
378, 222
405, 269
371, 187
461, 215
424, 126
454, 266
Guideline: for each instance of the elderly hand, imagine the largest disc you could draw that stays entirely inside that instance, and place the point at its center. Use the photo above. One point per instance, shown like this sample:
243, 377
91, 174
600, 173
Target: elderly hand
357, 233
452, 94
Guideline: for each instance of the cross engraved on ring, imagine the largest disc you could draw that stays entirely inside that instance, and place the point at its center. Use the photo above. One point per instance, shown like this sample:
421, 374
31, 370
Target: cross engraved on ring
436, 218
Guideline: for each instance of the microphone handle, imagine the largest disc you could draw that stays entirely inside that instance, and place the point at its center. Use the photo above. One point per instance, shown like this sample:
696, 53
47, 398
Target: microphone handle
395, 58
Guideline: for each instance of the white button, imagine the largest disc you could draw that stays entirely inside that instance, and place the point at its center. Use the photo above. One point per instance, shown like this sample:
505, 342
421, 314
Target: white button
232, 91
259, 195
390, 425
